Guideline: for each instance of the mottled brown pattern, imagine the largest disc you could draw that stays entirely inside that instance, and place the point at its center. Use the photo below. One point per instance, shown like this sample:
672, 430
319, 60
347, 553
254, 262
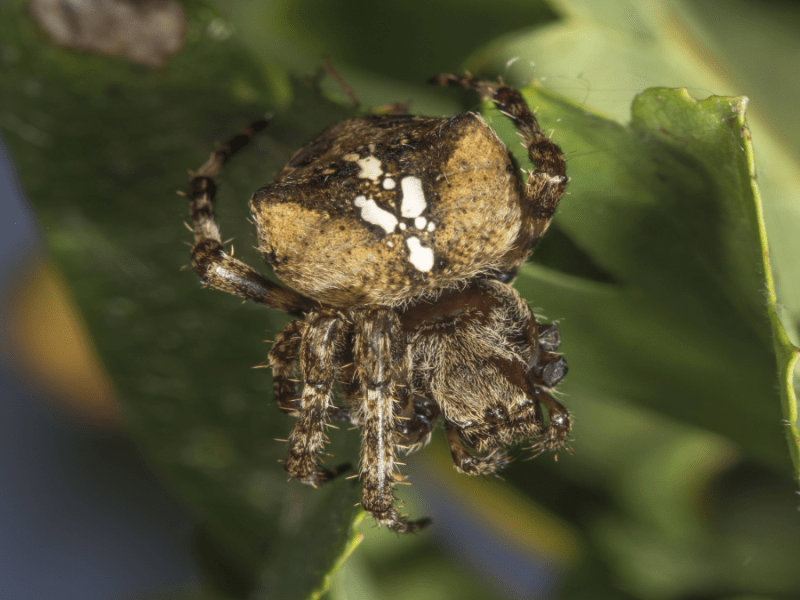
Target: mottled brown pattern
383, 369
319, 245
283, 361
319, 349
410, 333
546, 183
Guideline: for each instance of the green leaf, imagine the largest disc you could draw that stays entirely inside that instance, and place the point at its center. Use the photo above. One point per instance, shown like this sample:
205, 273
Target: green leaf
668, 209
101, 146
655, 268
684, 43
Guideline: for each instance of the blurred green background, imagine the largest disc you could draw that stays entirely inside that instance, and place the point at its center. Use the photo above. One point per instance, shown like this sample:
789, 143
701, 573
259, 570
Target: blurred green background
684, 477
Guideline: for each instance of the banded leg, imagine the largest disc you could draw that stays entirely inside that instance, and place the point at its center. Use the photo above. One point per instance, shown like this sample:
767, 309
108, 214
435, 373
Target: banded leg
381, 363
466, 462
547, 181
217, 268
283, 360
319, 348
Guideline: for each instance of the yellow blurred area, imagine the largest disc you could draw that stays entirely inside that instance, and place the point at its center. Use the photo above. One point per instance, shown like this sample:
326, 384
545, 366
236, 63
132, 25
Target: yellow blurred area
50, 342
507, 513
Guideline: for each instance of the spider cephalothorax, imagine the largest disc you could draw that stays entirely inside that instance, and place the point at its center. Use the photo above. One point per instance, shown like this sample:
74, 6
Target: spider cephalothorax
400, 235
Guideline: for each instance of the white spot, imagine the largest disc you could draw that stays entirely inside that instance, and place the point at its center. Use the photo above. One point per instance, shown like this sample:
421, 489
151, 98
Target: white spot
223, 273
375, 398
421, 258
420, 223
352, 157
403, 226
388, 183
554, 180
390, 243
370, 168
372, 213
413, 198
431, 226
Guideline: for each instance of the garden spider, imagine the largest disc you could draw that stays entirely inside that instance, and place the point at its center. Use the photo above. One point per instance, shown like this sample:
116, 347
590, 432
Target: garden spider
399, 236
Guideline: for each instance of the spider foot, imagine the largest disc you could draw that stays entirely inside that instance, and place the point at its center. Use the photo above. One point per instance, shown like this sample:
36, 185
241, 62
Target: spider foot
398, 523
409, 526
327, 475
558, 427
316, 478
554, 437
382, 505
482, 465
550, 441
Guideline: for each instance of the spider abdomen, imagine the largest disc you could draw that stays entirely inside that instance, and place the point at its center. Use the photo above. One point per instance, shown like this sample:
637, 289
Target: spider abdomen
387, 208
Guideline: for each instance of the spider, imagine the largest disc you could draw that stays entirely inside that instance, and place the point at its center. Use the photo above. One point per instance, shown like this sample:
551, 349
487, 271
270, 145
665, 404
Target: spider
399, 236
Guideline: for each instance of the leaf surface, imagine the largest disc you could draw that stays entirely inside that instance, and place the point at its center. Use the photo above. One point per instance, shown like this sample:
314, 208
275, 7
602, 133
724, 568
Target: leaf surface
101, 146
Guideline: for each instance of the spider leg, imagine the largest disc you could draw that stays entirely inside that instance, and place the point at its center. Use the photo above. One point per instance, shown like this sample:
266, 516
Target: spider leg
381, 362
319, 347
547, 181
559, 424
546, 370
282, 359
466, 462
217, 268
